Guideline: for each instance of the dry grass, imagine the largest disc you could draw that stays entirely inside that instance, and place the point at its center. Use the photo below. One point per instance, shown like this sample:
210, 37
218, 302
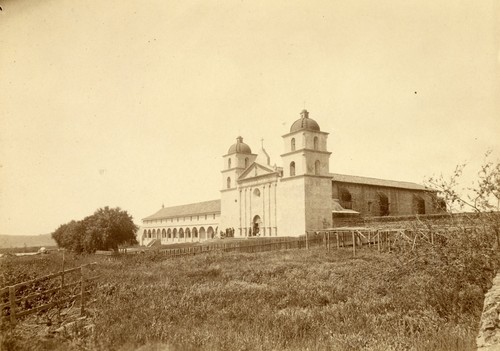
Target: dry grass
287, 300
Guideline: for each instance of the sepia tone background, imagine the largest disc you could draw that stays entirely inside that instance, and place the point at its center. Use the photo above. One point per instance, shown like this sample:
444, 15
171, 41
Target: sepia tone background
132, 104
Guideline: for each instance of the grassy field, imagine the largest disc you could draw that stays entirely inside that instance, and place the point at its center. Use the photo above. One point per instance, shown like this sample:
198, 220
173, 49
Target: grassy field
286, 300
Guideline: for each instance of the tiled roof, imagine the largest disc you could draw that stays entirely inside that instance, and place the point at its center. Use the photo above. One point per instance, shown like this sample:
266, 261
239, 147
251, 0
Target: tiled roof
375, 181
185, 210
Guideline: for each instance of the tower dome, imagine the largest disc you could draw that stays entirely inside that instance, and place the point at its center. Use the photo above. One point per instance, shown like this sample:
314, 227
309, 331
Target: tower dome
240, 147
304, 123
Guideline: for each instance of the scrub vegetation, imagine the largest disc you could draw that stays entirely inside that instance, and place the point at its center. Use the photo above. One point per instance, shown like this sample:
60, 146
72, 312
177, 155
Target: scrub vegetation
427, 299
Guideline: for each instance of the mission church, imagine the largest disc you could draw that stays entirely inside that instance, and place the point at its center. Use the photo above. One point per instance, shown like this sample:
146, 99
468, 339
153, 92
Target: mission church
260, 199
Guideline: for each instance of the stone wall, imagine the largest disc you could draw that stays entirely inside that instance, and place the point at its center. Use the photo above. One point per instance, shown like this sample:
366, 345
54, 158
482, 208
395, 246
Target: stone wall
489, 330
366, 200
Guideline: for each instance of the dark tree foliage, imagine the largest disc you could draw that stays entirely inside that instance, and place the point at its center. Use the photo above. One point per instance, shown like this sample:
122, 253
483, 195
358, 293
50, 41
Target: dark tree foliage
106, 229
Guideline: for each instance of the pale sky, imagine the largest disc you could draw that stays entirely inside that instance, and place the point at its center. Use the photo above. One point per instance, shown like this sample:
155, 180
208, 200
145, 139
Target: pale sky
133, 103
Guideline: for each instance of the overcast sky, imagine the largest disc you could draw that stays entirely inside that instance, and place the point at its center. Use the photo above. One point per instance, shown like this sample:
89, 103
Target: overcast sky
133, 103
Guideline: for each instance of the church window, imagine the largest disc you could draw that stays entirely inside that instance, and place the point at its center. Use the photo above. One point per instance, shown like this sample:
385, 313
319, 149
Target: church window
316, 167
246, 162
256, 193
384, 204
228, 181
206, 217
214, 215
315, 143
229, 163
345, 198
418, 204
292, 169
293, 144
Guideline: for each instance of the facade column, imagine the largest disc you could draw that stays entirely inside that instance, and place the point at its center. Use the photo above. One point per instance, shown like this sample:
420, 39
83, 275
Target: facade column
270, 221
250, 213
264, 210
245, 225
275, 219
239, 204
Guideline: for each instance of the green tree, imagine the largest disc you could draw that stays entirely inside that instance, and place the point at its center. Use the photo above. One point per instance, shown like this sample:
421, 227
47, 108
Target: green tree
106, 229
69, 236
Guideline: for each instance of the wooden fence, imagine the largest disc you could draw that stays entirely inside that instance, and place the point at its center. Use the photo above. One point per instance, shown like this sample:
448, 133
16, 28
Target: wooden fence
37, 295
354, 238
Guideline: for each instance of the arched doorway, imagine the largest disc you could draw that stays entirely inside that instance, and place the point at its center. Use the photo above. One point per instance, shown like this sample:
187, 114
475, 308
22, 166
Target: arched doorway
175, 233
169, 233
195, 233
257, 222
181, 233
188, 233
203, 234
163, 233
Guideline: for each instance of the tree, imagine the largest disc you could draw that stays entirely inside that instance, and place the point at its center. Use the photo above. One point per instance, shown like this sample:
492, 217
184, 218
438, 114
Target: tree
106, 229
70, 235
483, 196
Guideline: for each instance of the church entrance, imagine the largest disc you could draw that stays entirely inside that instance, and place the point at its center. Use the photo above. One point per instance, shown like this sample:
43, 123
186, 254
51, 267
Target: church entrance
257, 222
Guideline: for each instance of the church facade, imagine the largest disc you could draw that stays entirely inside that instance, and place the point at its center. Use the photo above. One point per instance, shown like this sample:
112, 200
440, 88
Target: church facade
260, 199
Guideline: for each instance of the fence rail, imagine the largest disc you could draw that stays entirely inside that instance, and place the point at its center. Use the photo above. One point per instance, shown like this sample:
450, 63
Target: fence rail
383, 239
16, 307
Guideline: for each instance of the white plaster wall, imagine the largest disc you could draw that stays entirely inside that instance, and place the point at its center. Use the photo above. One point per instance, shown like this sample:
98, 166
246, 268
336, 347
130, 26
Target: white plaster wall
291, 207
230, 208
318, 203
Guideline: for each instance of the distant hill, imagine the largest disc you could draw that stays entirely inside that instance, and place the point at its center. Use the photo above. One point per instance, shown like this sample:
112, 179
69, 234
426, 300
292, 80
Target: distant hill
11, 241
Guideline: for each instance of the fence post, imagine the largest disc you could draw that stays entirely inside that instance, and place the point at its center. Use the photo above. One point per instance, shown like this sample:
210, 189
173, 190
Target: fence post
12, 300
82, 293
378, 240
328, 241
353, 244
307, 241
62, 273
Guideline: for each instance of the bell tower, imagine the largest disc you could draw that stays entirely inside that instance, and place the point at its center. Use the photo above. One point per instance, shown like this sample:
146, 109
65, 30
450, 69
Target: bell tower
238, 158
306, 181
